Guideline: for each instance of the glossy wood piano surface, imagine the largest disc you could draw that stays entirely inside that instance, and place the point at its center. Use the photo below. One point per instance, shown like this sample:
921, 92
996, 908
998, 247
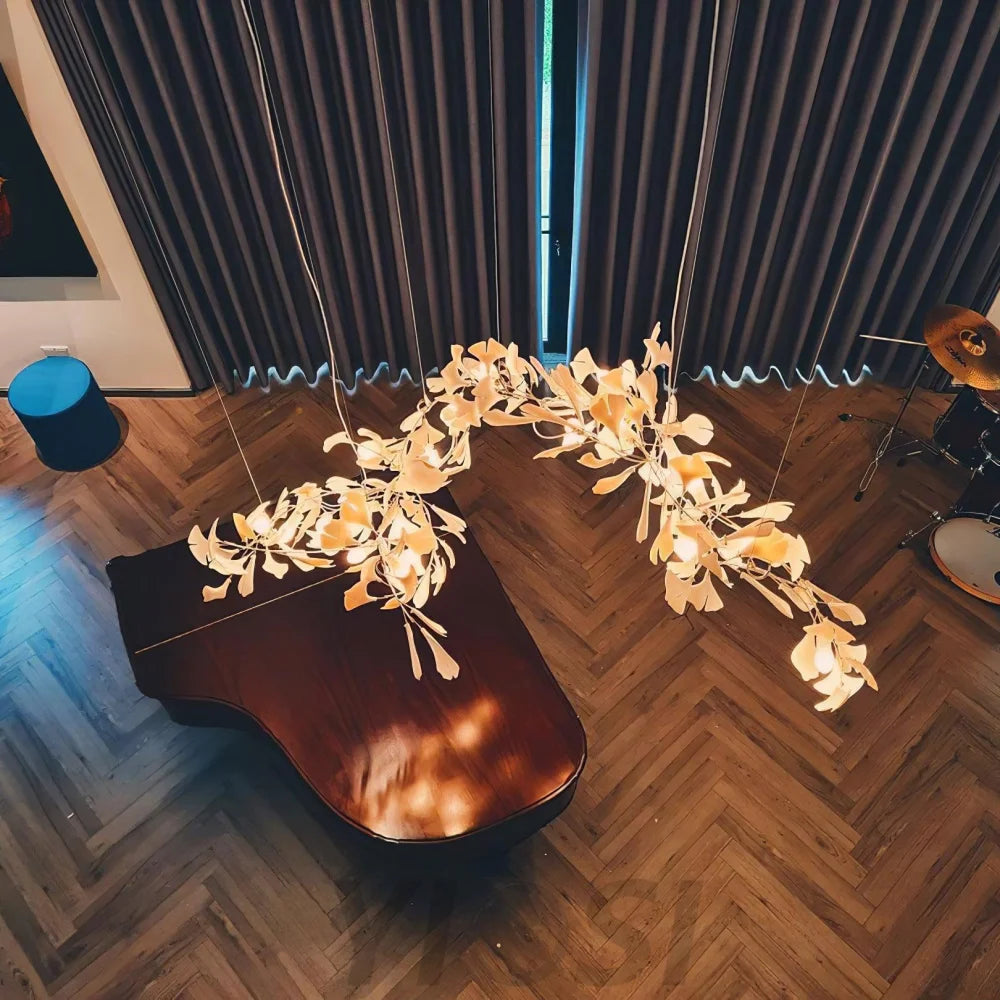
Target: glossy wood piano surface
472, 764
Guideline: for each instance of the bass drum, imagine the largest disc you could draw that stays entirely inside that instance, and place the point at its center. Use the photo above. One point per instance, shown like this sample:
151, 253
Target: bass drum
959, 430
967, 551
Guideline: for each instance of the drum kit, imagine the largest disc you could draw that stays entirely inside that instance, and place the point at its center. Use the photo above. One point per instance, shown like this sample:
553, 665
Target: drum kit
964, 541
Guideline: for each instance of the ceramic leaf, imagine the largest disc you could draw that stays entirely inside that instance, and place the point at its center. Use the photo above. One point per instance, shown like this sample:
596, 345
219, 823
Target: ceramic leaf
393, 538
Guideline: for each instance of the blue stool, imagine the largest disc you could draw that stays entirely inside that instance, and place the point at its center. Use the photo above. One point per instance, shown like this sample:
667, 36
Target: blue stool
62, 408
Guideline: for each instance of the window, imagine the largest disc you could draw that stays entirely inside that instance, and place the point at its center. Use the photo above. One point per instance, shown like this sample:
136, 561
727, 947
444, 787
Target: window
545, 157
558, 137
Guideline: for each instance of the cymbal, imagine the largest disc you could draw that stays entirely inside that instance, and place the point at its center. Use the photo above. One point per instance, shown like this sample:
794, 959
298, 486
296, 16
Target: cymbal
964, 344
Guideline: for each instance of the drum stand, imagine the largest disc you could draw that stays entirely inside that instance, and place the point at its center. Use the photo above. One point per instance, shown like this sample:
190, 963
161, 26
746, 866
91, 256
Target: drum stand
885, 444
936, 517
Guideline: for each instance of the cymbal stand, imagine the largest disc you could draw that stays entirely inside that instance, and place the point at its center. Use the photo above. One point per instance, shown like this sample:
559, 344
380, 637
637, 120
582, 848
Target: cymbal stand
885, 444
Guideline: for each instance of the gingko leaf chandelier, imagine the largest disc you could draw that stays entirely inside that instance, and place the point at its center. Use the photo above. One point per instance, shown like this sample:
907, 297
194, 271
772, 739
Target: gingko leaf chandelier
383, 527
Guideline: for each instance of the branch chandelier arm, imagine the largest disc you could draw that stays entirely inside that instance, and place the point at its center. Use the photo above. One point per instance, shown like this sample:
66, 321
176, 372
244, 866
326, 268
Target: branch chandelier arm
384, 528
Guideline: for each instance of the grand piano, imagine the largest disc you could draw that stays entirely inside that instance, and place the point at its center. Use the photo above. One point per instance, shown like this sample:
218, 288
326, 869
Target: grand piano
424, 768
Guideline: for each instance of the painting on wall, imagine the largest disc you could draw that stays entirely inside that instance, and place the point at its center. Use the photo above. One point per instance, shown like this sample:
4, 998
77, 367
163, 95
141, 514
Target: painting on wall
38, 237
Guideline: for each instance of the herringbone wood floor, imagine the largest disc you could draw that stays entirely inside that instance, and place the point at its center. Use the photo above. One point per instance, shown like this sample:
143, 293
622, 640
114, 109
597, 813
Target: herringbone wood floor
725, 841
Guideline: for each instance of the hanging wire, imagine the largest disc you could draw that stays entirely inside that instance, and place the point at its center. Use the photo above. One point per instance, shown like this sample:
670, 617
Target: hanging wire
493, 168
240, 612
677, 341
159, 243
395, 192
294, 214
859, 228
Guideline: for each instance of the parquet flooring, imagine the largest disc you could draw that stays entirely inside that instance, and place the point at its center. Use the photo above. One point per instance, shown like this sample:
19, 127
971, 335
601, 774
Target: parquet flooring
726, 842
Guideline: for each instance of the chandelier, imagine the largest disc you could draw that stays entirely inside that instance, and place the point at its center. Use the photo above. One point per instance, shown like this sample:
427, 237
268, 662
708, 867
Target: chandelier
384, 529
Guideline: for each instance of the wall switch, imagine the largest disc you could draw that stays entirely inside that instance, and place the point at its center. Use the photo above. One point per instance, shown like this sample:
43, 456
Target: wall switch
55, 350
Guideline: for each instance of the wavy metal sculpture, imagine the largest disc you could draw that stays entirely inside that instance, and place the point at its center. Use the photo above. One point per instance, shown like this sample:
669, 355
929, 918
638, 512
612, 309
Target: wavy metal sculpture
397, 541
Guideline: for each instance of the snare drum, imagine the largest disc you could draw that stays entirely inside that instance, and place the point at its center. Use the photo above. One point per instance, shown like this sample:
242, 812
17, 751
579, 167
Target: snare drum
958, 432
981, 497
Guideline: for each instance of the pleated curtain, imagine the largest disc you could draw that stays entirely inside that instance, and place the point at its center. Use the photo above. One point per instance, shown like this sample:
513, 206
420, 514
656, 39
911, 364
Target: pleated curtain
849, 178
170, 96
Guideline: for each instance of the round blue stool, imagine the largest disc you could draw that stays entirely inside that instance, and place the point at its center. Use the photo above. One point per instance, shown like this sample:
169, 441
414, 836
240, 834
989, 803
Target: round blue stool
62, 408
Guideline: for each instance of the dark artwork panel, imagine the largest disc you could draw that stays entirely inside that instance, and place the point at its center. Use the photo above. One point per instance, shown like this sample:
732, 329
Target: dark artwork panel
38, 237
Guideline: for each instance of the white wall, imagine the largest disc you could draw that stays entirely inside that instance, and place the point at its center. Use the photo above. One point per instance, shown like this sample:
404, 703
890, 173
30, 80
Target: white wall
112, 322
994, 313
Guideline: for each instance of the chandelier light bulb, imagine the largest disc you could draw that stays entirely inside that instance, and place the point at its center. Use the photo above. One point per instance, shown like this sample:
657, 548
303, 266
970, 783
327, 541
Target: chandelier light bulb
686, 548
825, 660
260, 523
358, 554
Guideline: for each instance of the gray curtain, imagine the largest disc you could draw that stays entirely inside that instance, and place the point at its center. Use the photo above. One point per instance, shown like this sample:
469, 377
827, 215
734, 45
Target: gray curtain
179, 80
854, 155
